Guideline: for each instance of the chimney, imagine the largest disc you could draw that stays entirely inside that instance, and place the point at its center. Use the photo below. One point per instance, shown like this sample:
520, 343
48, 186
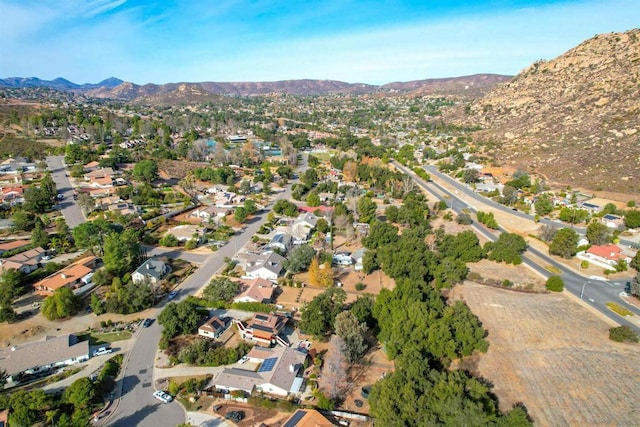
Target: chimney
292, 368
64, 276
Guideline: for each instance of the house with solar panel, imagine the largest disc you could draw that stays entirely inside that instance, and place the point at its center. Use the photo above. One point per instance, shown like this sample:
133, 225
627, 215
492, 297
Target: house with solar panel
263, 329
274, 371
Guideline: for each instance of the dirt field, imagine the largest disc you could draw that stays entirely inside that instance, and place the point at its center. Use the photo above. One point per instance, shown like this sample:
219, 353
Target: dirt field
555, 356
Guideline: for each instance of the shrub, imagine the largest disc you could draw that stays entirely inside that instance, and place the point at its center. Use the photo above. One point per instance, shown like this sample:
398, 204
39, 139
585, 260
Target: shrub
619, 309
507, 283
584, 264
555, 284
623, 334
360, 286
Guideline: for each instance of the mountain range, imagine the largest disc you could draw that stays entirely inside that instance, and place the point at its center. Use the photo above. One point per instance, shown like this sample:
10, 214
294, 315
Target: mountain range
114, 88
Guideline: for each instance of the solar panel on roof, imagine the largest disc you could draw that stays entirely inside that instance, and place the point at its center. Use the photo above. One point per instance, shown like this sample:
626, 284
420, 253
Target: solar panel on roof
268, 364
295, 419
261, 317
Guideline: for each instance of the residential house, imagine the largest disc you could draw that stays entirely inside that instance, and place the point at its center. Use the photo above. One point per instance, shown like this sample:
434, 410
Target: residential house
210, 213
98, 174
606, 255
303, 226
357, 257
256, 290
27, 261
69, 277
25, 361
12, 195
186, 232
151, 271
214, 327
91, 166
12, 245
268, 265
613, 221
263, 328
342, 258
307, 418
590, 207
281, 242
279, 374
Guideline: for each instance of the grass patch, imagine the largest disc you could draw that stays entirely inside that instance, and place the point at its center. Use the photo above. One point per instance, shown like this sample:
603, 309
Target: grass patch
554, 270
96, 338
617, 308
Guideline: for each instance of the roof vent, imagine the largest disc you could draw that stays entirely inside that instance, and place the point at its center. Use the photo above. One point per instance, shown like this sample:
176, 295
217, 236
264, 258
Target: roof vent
14, 348
64, 276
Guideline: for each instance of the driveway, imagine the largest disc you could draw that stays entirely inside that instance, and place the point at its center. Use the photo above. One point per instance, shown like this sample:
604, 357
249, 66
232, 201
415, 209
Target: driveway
68, 206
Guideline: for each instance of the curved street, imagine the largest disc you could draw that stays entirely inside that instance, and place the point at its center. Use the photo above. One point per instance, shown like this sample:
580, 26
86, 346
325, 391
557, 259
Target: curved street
134, 402
594, 293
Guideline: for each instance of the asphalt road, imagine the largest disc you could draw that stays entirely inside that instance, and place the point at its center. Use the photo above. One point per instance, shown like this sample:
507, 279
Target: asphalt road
69, 207
595, 293
468, 192
137, 406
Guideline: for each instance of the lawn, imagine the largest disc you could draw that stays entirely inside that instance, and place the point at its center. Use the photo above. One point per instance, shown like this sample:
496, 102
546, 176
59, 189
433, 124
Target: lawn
104, 338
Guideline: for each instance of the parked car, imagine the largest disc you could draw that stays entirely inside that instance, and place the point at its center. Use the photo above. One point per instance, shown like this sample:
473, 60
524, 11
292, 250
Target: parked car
147, 323
162, 396
60, 197
172, 294
236, 416
102, 350
244, 359
46, 257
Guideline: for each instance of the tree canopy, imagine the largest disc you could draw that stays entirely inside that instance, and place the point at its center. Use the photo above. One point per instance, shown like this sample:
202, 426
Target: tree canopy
62, 304
318, 316
221, 289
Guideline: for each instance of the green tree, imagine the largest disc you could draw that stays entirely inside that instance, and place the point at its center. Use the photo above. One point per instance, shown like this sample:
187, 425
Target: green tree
285, 207
90, 234
507, 248
352, 332
318, 316
554, 284
97, 306
37, 200
146, 170
598, 233
178, 319
121, 252
61, 305
564, 243
10, 283
543, 205
169, 240
221, 289
380, 234
470, 176
322, 225
240, 214
24, 221
632, 218
362, 309
573, 216
313, 199
39, 236
463, 246
299, 259
366, 209
635, 262
80, 393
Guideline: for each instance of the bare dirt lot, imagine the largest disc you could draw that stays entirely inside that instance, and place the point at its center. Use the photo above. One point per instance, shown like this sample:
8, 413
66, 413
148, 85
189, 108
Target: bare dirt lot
555, 356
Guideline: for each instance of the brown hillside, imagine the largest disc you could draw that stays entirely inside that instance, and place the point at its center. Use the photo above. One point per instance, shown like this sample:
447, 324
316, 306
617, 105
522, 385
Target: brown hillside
576, 118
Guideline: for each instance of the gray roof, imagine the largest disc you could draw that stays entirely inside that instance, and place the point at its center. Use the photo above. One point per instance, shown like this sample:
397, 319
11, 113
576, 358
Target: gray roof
269, 260
153, 268
280, 376
47, 351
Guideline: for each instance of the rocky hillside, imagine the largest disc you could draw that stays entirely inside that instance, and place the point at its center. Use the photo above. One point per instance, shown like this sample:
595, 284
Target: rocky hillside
575, 119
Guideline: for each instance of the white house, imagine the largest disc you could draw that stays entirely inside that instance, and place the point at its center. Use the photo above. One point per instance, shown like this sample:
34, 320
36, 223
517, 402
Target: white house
281, 242
38, 358
214, 327
152, 270
186, 232
268, 265
342, 258
303, 226
279, 373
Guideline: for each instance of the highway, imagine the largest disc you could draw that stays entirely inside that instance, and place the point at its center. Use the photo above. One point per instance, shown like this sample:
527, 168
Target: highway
136, 406
595, 293
69, 207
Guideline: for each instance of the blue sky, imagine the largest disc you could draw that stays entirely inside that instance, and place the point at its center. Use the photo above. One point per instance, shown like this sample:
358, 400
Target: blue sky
374, 42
